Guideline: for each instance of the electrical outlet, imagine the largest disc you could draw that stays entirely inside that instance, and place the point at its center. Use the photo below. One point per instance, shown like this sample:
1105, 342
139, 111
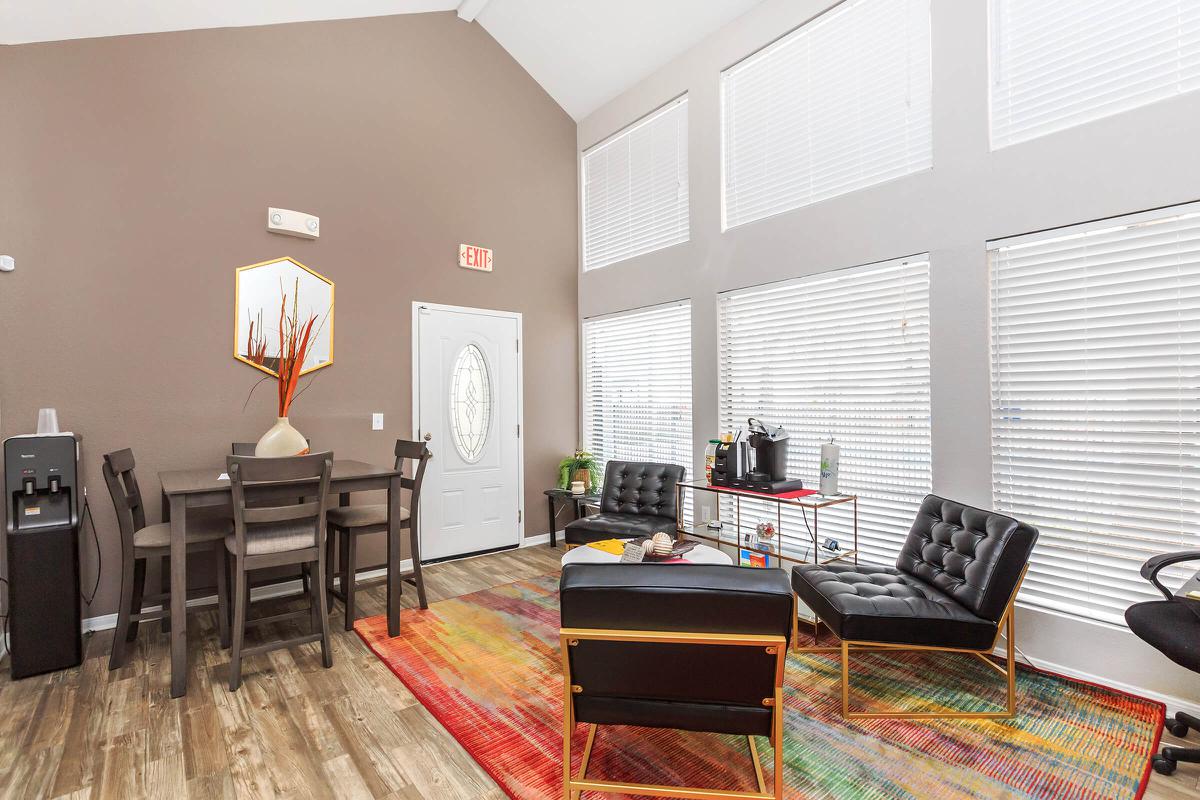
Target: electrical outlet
377, 422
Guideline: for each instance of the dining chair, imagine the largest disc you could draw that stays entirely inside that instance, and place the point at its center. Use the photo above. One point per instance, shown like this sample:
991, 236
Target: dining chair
271, 529
140, 542
247, 449
346, 523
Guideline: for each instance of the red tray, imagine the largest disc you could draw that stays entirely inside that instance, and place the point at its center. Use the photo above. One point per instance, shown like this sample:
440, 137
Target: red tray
792, 495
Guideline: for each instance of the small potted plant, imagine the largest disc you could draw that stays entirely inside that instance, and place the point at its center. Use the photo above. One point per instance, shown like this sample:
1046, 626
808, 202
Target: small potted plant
580, 467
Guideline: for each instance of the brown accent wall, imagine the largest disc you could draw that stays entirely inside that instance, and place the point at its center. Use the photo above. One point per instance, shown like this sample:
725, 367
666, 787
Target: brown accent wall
135, 173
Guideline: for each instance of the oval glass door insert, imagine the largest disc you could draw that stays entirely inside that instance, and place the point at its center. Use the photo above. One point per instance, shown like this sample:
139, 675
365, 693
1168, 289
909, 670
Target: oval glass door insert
470, 403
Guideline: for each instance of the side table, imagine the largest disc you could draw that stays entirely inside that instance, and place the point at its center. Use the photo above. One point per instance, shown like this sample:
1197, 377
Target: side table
557, 497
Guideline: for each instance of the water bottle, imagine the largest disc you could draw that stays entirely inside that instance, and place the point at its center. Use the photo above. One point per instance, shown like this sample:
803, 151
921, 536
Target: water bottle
830, 453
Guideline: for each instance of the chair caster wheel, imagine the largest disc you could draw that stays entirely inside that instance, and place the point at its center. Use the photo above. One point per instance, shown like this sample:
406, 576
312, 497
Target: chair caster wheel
1164, 766
1179, 729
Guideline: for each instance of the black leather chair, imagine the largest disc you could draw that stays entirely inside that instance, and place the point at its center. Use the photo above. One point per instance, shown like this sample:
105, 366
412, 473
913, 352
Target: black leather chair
637, 500
1171, 626
706, 653
952, 589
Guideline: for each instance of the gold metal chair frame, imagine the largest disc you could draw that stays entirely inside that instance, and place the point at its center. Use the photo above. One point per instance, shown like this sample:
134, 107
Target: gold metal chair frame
573, 785
1007, 626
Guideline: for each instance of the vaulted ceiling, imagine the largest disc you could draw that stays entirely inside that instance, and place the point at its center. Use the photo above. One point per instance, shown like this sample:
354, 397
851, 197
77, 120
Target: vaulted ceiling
583, 52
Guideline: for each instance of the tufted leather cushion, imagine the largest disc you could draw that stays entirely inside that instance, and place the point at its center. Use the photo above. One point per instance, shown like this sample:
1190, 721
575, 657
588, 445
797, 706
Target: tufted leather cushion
955, 575
866, 603
599, 527
972, 555
636, 488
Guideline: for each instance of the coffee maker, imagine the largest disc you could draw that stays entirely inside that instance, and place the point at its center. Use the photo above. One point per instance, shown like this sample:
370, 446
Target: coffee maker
41, 492
757, 463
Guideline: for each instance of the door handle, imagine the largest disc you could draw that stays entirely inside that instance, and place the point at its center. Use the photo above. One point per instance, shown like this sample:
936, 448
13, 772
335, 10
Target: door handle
429, 437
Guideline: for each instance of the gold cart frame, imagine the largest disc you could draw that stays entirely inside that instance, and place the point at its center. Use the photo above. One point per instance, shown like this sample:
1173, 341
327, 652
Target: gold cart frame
813, 503
573, 785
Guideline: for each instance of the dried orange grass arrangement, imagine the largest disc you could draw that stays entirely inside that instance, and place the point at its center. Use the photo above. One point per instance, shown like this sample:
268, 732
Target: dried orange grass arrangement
294, 338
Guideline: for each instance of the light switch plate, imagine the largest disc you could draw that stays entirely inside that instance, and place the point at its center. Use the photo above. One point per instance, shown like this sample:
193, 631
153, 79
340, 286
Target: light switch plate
377, 422
293, 223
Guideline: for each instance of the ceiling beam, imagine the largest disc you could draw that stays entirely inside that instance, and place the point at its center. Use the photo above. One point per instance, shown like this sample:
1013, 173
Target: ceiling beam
469, 9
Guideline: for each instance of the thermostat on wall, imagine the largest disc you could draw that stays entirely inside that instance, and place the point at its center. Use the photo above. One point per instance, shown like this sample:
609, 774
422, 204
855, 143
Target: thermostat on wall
293, 223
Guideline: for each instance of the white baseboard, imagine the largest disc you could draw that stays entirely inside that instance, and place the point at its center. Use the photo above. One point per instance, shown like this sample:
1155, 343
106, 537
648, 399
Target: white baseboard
530, 541
109, 621
1172, 703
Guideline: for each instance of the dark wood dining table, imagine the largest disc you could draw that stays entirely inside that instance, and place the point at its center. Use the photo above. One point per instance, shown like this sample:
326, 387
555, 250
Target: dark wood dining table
205, 488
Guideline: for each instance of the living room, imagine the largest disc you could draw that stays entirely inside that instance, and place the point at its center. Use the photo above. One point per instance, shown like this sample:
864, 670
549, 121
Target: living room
882, 314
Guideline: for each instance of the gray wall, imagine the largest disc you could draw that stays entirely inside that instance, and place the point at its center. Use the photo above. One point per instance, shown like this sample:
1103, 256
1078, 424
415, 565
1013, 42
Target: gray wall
135, 175
1137, 160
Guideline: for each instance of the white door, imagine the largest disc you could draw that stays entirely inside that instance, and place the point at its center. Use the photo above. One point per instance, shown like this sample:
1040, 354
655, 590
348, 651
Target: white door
467, 407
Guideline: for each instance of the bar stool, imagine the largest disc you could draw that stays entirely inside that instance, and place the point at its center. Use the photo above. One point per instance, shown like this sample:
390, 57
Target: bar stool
271, 529
347, 523
247, 449
140, 541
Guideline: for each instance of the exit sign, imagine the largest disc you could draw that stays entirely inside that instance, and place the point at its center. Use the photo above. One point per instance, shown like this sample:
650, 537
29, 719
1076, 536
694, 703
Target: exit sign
472, 257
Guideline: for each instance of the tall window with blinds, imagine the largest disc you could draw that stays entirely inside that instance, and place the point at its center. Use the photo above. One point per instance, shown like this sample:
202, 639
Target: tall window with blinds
637, 385
1060, 64
1096, 402
839, 104
842, 354
635, 189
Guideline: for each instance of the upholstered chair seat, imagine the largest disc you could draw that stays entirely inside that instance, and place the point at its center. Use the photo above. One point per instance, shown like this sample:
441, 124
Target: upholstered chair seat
199, 529
275, 537
361, 516
882, 604
599, 527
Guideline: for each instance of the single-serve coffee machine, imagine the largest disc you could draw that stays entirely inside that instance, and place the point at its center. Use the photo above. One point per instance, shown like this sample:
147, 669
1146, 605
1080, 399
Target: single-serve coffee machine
757, 463
41, 492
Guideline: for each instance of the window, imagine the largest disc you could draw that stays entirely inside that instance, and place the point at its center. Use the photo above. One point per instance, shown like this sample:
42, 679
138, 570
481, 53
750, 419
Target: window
1096, 402
637, 385
842, 354
470, 403
635, 189
839, 104
1061, 64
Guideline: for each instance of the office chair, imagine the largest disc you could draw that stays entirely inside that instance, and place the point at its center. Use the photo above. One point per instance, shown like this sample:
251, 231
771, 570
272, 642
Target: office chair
1172, 626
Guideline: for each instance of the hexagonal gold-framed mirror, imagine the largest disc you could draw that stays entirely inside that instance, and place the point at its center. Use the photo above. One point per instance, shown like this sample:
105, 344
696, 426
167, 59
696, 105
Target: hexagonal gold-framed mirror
261, 292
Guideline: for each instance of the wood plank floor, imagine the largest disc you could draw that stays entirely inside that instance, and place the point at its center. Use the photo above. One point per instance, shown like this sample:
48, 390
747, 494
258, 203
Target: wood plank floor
294, 730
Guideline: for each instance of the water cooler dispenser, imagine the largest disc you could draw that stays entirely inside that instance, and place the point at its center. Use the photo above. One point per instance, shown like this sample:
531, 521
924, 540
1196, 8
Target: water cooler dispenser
41, 490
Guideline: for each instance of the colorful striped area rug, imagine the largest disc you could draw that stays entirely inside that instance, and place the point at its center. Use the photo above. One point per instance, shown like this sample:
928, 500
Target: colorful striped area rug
487, 666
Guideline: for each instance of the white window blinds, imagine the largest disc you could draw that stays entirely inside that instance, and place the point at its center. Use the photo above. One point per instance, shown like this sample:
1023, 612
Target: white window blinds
637, 385
839, 104
842, 354
635, 189
1096, 402
1062, 63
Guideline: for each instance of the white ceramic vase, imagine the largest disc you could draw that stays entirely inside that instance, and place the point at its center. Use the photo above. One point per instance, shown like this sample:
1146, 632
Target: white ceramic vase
280, 441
